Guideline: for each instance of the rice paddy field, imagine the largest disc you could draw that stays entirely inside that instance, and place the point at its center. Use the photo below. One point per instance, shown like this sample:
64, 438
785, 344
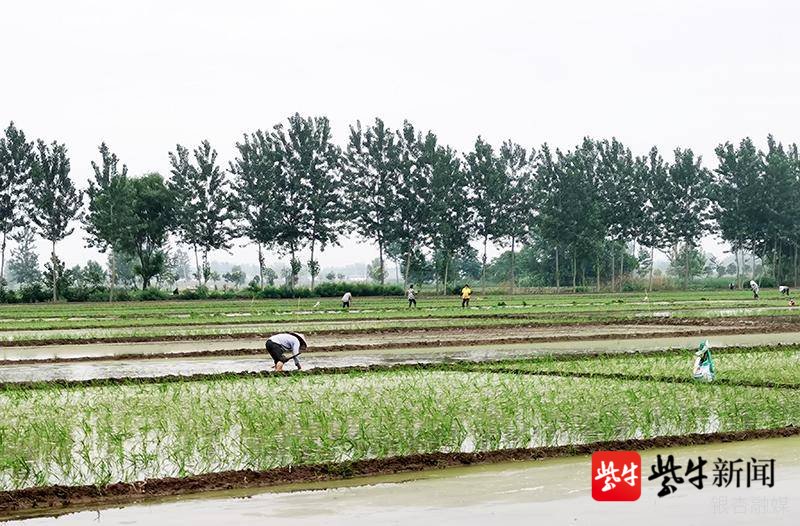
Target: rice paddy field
109, 404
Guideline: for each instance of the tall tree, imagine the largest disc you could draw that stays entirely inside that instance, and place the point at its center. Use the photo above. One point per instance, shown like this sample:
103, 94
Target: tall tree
554, 210
621, 197
777, 201
23, 265
736, 179
411, 204
312, 159
370, 181
16, 161
109, 208
450, 225
516, 198
53, 198
586, 229
203, 202
485, 172
261, 209
652, 176
687, 189
153, 219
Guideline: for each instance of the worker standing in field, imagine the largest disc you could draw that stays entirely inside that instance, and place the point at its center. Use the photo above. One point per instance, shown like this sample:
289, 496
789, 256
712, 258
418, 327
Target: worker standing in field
412, 297
346, 300
286, 346
466, 292
754, 288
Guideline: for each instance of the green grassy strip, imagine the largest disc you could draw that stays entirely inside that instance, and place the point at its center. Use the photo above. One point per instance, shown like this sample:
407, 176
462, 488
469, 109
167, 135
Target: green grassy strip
755, 366
103, 434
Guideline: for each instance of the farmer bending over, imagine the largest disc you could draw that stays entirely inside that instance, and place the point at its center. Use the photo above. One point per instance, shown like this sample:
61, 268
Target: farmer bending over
286, 346
754, 288
346, 300
784, 290
465, 294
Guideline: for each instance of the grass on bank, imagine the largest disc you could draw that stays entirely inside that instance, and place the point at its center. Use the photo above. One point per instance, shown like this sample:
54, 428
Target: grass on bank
99, 435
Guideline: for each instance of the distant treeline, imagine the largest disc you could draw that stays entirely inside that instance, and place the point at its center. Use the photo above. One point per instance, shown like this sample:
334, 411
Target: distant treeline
290, 189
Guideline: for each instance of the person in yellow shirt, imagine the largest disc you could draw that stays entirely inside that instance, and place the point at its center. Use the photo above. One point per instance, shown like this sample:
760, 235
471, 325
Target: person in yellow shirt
466, 292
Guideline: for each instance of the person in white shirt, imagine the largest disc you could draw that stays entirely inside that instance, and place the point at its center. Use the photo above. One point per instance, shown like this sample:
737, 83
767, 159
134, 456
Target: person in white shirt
783, 289
286, 346
412, 297
346, 300
754, 288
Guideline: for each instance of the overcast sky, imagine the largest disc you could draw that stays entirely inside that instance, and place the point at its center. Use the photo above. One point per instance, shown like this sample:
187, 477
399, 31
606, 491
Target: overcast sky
146, 75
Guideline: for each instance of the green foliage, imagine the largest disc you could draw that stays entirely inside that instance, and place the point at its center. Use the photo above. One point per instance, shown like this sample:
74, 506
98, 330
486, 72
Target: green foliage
109, 202
16, 161
677, 261
357, 289
371, 178
204, 205
374, 271
153, 218
235, 276
24, 263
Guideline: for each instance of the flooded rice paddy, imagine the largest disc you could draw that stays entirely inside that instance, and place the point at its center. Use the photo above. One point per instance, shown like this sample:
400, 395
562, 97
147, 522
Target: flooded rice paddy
188, 365
552, 491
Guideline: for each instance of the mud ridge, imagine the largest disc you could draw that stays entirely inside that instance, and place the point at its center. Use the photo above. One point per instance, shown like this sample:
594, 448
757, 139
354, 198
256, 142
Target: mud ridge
743, 324
644, 378
722, 327
281, 317
51, 499
386, 345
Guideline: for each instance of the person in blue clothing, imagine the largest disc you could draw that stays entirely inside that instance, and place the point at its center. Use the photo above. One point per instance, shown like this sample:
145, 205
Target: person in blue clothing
286, 346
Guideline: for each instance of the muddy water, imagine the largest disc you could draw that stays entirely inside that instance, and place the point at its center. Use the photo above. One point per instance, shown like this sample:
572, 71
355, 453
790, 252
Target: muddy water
114, 349
554, 491
718, 313
188, 366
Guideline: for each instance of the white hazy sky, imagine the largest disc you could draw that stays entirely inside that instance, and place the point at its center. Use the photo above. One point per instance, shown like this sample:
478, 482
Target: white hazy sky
146, 75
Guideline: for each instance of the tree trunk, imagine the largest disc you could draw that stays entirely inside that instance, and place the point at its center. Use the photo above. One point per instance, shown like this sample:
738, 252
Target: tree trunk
794, 266
291, 268
753, 260
312, 267
613, 270
597, 270
558, 276
574, 271
408, 266
738, 266
511, 280
200, 273
260, 266
652, 265
113, 280
205, 266
775, 260
446, 269
687, 249
3, 259
380, 256
396, 270
55, 272
483, 266
621, 266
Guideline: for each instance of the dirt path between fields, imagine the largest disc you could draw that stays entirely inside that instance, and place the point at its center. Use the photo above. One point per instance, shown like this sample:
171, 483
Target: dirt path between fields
755, 323
340, 343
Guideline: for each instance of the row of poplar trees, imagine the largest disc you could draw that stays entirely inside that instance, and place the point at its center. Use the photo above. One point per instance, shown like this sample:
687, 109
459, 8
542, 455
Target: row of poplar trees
291, 189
